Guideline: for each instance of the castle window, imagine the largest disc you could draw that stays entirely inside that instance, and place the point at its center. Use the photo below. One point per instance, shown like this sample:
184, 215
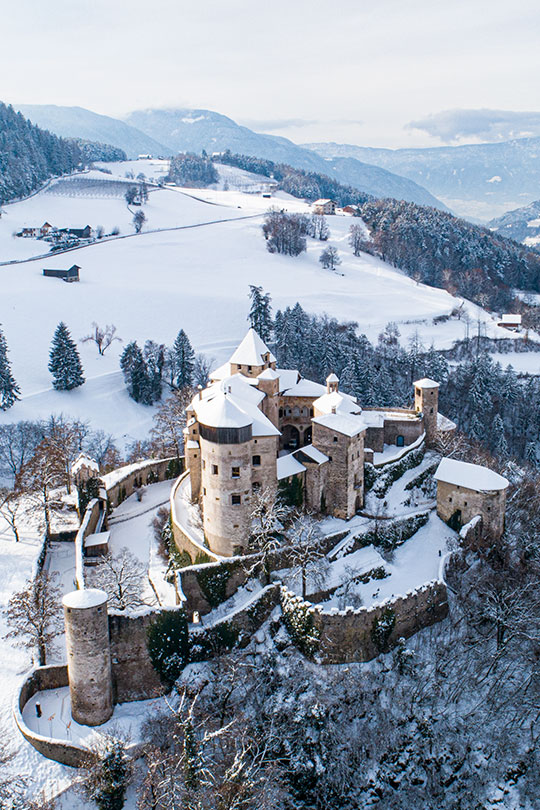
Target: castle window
256, 486
236, 500
431, 410
235, 473
335, 438
204, 464
418, 392
204, 491
296, 411
450, 500
311, 412
238, 366
280, 413
214, 469
489, 508
249, 368
256, 461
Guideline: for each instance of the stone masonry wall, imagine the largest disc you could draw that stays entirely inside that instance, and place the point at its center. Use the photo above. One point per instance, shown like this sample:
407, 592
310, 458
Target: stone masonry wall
347, 636
490, 505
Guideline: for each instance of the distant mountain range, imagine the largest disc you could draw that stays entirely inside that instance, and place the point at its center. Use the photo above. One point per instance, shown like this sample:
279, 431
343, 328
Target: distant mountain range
166, 132
477, 181
522, 224
76, 122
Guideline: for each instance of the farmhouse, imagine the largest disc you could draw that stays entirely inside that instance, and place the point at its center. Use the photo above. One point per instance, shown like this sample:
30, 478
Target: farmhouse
509, 321
257, 426
72, 274
465, 491
323, 206
84, 232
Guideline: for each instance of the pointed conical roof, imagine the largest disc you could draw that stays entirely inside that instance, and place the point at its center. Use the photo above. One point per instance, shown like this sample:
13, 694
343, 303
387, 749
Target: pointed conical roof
251, 350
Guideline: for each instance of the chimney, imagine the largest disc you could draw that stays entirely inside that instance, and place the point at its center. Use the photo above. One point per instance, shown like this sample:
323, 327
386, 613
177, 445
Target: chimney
200, 389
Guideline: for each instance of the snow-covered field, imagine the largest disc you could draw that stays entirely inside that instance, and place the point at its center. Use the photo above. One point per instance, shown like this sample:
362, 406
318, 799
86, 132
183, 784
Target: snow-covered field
197, 279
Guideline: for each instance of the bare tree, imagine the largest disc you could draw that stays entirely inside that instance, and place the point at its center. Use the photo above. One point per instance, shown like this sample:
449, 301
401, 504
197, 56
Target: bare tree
122, 578
102, 336
268, 515
12, 786
357, 238
169, 422
35, 614
102, 447
44, 472
66, 437
202, 368
307, 553
329, 258
17, 444
11, 504
139, 218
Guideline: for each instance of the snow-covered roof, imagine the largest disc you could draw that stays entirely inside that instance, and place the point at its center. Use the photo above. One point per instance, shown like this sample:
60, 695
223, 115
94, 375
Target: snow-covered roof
342, 423
251, 350
508, 318
304, 388
332, 378
221, 411
84, 461
220, 372
444, 423
425, 382
470, 476
85, 598
268, 374
336, 402
287, 466
98, 539
321, 202
373, 419
312, 453
191, 445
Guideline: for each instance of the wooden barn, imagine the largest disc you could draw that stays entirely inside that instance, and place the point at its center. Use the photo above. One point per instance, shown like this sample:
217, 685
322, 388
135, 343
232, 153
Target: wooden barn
72, 274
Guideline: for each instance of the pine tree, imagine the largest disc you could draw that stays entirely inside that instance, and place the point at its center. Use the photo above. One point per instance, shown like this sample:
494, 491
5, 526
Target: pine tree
134, 370
531, 454
9, 390
260, 313
500, 445
65, 363
182, 360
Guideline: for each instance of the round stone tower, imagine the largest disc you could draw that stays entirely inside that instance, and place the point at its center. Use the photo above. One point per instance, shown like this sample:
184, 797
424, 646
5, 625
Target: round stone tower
88, 655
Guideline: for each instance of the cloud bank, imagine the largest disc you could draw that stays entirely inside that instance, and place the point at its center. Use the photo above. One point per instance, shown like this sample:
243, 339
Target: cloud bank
451, 126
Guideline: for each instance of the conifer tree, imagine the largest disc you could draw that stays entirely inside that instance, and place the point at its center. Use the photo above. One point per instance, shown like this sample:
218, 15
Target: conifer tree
182, 358
500, 445
134, 370
9, 390
260, 313
65, 363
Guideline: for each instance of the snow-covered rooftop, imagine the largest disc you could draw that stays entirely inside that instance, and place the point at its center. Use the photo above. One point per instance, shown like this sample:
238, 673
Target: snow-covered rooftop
268, 374
425, 382
86, 598
337, 402
252, 350
332, 378
342, 423
444, 423
221, 411
508, 318
311, 452
470, 476
303, 388
220, 372
287, 466
98, 539
84, 461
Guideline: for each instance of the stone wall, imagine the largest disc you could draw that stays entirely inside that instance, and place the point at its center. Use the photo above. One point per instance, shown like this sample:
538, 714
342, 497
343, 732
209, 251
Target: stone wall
344, 486
133, 675
410, 429
338, 637
460, 505
146, 472
88, 526
48, 677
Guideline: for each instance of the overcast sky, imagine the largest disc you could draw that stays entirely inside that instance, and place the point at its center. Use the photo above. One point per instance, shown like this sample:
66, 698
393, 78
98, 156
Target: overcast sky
352, 71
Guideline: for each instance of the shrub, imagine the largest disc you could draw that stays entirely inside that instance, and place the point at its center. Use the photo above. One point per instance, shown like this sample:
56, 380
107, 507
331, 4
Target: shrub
168, 645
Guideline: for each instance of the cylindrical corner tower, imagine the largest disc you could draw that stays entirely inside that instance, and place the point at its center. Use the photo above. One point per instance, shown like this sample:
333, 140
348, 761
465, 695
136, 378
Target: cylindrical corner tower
89, 656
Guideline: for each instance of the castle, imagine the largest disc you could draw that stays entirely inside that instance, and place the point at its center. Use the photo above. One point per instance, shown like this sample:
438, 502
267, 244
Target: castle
257, 425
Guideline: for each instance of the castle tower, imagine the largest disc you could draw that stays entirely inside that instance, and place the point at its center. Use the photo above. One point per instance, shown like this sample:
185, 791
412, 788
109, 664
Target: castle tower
268, 382
88, 654
426, 401
252, 356
332, 383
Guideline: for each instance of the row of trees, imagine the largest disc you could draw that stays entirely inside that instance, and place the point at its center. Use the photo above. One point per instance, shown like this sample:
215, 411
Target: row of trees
192, 171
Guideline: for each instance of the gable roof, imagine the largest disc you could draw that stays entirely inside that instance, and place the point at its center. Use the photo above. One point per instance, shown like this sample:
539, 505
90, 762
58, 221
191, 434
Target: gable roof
425, 382
251, 350
470, 476
342, 403
341, 423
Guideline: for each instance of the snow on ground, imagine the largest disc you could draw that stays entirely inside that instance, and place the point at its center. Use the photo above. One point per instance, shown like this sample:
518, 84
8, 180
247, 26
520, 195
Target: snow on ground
56, 720
413, 564
152, 285
130, 525
153, 168
521, 362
